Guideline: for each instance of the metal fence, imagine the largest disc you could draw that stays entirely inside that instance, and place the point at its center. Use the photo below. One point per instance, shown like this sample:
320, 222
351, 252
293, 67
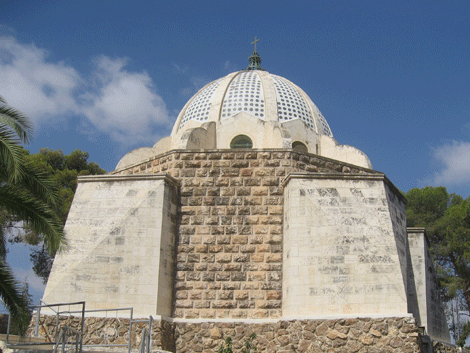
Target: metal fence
66, 339
69, 338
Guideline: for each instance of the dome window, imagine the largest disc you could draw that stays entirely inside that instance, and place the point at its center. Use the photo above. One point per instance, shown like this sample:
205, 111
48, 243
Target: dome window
241, 141
299, 146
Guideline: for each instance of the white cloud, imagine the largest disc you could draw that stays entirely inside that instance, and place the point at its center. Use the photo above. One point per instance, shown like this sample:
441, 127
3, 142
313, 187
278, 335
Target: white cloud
455, 160
40, 89
197, 82
179, 68
115, 101
230, 67
125, 103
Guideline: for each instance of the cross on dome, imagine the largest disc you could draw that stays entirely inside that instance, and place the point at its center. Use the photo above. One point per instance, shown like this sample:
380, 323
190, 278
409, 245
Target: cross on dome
255, 41
254, 59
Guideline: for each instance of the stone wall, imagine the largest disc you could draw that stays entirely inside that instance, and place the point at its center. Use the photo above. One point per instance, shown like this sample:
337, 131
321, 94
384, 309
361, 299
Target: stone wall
398, 335
431, 310
341, 253
440, 347
340, 336
107, 331
229, 239
121, 237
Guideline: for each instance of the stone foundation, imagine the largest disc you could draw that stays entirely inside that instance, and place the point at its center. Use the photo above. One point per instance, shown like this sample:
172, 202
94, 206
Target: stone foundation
398, 335
440, 347
344, 335
112, 331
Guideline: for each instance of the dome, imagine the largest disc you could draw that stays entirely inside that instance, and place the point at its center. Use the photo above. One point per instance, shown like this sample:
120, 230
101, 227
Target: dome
259, 94
251, 109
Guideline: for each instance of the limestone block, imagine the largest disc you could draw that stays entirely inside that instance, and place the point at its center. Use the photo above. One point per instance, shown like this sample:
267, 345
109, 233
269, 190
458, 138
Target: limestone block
121, 235
343, 255
429, 309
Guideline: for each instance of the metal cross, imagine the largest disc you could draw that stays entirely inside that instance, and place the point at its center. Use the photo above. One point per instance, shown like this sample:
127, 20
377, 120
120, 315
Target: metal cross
256, 40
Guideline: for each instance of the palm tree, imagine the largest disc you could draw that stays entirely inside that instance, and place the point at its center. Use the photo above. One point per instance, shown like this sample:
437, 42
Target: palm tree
27, 194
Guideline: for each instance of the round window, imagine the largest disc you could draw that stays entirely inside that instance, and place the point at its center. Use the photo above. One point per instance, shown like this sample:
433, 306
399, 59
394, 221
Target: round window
299, 146
241, 141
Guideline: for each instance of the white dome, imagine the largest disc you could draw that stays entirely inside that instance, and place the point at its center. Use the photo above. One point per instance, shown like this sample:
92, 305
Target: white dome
262, 95
251, 109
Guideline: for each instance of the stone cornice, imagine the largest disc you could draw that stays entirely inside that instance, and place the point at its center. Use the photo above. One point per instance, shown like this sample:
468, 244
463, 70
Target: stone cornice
345, 176
134, 177
243, 150
419, 230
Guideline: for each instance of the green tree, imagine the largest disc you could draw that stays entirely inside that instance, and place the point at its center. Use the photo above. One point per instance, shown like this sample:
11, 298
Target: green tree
27, 194
451, 249
446, 218
427, 205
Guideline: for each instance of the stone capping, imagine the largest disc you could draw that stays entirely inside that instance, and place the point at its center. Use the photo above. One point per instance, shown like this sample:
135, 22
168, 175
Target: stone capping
244, 150
419, 230
133, 177
416, 229
273, 321
378, 176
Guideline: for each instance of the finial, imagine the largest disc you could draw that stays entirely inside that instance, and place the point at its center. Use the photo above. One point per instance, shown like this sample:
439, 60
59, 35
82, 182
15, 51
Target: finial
256, 40
254, 59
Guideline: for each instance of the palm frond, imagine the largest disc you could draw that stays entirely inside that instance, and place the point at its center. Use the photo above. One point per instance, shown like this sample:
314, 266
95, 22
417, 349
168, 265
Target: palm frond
39, 183
16, 121
3, 245
10, 294
39, 215
11, 154
29, 195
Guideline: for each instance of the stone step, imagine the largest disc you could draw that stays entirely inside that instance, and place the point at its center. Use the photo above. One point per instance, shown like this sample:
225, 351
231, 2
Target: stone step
15, 339
21, 344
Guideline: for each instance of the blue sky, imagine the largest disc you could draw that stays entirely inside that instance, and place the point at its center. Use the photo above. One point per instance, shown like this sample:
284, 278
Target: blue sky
392, 78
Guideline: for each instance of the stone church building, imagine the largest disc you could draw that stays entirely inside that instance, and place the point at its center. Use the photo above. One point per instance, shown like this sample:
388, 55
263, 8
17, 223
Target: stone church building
251, 217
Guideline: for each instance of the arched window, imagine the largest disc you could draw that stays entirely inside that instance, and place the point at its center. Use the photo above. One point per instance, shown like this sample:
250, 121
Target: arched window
299, 146
241, 141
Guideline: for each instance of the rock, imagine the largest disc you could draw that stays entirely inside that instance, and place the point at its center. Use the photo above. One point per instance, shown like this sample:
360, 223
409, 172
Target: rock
366, 340
375, 333
283, 340
333, 334
354, 346
396, 342
303, 345
322, 329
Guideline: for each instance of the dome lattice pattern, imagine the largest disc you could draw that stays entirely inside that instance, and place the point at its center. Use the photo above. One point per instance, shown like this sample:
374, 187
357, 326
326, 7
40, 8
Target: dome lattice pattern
201, 105
291, 105
245, 93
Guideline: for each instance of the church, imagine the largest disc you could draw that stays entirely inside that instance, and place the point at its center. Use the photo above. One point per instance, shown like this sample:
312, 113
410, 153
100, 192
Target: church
251, 217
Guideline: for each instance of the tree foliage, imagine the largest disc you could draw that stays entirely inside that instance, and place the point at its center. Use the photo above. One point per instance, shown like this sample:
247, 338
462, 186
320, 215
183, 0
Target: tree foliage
446, 218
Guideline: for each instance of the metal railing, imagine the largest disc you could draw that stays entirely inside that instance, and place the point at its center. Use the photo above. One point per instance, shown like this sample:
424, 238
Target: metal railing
58, 332
64, 342
146, 340
104, 335
63, 336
